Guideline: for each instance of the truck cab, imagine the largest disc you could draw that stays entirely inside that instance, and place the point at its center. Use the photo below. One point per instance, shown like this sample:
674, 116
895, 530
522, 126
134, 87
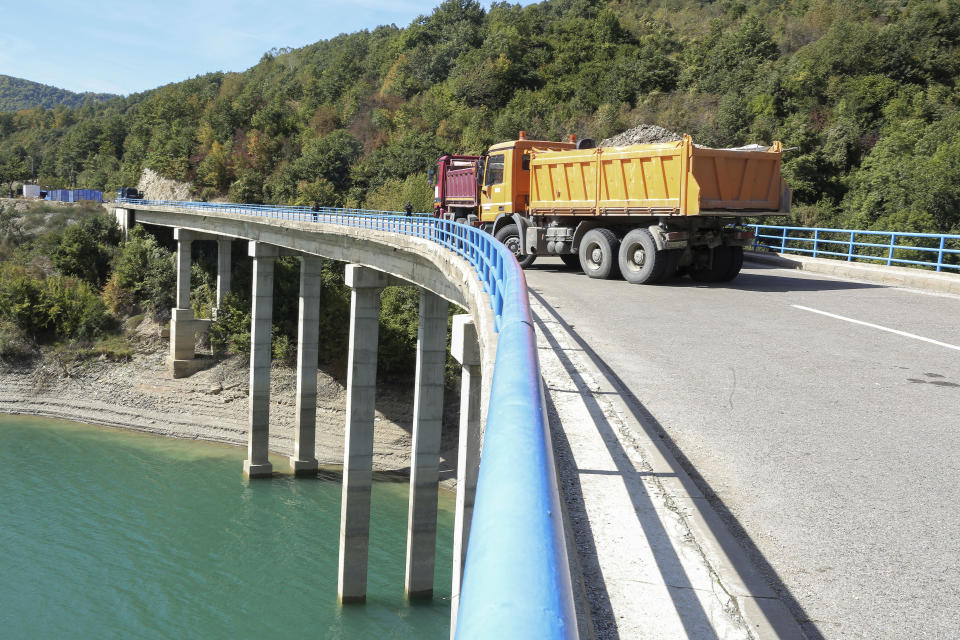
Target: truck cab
505, 170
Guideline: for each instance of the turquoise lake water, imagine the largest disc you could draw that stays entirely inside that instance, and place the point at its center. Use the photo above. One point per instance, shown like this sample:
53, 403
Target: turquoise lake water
113, 534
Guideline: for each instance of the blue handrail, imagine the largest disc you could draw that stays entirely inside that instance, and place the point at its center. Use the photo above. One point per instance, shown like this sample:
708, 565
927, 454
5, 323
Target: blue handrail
516, 580
844, 244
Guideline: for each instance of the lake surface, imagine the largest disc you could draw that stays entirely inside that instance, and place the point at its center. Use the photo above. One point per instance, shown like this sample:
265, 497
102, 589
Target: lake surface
107, 533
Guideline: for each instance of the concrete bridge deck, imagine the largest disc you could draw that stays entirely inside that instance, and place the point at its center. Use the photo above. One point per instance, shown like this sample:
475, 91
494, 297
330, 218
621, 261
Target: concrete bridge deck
824, 447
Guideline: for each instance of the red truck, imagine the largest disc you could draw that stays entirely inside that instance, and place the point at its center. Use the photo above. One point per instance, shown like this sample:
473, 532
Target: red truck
456, 194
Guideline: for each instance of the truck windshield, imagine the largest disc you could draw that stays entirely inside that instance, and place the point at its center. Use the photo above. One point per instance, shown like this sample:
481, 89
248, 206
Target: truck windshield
494, 173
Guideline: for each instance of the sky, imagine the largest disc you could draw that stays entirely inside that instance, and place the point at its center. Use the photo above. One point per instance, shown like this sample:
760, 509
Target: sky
108, 46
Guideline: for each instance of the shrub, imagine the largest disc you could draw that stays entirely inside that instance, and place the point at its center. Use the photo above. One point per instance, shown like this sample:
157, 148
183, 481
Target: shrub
73, 309
14, 344
51, 308
146, 271
230, 332
86, 249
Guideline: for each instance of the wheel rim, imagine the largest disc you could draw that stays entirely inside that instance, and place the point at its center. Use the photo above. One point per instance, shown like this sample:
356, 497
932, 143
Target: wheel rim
637, 257
596, 255
513, 243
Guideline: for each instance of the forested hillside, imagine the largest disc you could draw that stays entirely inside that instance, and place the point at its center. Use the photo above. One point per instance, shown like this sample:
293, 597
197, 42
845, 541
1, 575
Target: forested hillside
17, 94
864, 93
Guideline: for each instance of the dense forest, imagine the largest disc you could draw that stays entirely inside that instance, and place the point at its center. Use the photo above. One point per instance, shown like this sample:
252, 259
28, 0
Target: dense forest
864, 94
17, 94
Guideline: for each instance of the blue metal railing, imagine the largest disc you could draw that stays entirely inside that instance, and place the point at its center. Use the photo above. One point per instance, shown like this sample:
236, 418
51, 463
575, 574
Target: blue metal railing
516, 580
850, 245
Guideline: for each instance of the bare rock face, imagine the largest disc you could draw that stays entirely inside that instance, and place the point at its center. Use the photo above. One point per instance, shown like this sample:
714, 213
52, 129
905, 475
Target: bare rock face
641, 134
156, 187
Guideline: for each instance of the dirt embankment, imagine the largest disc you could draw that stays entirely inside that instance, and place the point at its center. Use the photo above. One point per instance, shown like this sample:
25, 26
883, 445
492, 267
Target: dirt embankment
156, 187
211, 404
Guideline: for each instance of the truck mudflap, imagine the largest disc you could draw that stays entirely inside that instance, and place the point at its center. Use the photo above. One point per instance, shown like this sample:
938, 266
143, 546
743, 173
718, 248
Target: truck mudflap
667, 240
737, 237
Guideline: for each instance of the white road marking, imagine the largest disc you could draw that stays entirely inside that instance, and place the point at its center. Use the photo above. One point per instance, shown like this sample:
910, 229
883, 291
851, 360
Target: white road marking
877, 326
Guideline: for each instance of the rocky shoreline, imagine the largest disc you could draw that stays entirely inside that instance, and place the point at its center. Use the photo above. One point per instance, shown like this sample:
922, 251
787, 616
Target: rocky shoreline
211, 405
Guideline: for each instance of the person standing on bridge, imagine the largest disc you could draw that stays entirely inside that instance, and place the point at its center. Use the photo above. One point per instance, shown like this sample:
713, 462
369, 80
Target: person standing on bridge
316, 209
409, 208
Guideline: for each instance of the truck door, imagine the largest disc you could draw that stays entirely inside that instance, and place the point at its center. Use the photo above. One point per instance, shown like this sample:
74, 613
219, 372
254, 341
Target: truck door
496, 196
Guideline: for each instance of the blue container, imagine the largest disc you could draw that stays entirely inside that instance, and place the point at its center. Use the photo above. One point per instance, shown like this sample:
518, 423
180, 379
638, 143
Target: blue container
90, 194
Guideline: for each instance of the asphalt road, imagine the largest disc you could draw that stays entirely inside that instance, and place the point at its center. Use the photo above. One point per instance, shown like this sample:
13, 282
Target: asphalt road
830, 447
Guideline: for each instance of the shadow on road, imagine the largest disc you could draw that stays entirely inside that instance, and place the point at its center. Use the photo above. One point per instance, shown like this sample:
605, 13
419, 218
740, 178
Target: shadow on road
755, 277
668, 563
695, 620
598, 599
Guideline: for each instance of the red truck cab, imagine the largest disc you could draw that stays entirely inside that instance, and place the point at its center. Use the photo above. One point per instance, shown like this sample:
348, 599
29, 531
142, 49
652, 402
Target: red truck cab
457, 191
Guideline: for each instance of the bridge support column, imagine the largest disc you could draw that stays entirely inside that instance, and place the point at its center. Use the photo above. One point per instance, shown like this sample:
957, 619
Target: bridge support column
304, 461
466, 350
425, 459
183, 327
124, 221
358, 441
257, 463
224, 248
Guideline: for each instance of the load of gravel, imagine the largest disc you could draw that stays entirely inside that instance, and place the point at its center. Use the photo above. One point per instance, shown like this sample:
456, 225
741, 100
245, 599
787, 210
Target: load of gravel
641, 134
156, 187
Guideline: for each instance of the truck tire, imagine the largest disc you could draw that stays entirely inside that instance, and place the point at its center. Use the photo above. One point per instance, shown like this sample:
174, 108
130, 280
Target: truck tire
509, 236
672, 269
721, 263
570, 260
598, 254
736, 263
640, 260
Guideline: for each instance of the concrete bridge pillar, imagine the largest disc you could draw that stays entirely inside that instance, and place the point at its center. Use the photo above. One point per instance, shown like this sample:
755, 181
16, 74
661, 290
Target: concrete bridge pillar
425, 458
465, 348
183, 327
124, 221
358, 441
224, 247
257, 463
304, 461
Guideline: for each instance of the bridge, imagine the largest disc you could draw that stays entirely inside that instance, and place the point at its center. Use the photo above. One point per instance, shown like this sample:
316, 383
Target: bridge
749, 456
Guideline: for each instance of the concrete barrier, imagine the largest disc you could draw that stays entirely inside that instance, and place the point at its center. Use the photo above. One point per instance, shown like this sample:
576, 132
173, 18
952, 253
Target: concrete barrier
880, 274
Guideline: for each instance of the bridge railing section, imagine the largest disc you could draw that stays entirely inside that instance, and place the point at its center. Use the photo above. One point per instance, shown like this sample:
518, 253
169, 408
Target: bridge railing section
516, 580
940, 252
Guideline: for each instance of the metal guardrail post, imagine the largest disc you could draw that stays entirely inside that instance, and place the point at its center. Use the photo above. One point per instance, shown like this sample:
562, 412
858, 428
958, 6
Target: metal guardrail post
850, 251
816, 238
893, 238
943, 239
783, 241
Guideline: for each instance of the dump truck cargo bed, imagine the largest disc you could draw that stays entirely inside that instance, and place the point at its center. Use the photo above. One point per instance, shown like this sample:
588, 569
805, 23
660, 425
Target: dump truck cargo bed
666, 179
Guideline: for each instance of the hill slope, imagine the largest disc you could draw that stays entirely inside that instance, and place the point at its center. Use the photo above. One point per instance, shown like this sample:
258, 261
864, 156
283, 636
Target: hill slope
866, 94
17, 94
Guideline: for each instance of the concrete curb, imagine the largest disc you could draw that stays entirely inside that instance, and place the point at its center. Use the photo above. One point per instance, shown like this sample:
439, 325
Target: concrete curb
767, 617
881, 274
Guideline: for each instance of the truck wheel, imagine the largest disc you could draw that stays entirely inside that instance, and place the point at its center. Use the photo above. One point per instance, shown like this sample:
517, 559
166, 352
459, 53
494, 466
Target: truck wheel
598, 254
509, 236
570, 260
641, 262
736, 263
672, 269
722, 261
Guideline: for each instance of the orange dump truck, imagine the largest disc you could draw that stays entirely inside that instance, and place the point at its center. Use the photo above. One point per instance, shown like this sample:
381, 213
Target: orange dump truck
645, 210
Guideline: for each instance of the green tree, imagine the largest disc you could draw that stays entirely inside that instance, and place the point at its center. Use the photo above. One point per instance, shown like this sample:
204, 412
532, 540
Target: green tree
145, 270
86, 249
